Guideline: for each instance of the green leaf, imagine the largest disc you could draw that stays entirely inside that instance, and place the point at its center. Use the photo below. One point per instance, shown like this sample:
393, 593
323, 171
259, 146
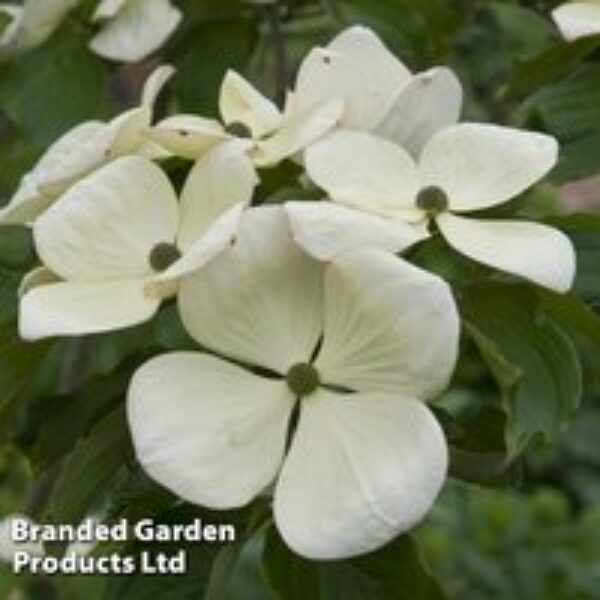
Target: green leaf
89, 468
62, 420
550, 66
571, 107
202, 56
395, 572
584, 231
18, 363
582, 325
54, 87
533, 361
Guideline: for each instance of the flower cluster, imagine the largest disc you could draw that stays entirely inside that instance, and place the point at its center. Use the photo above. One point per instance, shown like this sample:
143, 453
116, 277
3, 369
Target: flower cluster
129, 30
321, 344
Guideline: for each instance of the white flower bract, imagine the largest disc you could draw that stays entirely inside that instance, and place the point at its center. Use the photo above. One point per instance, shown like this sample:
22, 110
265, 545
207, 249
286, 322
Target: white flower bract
578, 19
380, 94
367, 458
118, 241
83, 149
133, 29
269, 134
472, 167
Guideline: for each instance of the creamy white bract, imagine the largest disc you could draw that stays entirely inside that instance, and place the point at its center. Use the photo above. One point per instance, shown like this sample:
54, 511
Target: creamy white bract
31, 24
367, 457
83, 149
133, 29
270, 135
118, 241
463, 168
578, 19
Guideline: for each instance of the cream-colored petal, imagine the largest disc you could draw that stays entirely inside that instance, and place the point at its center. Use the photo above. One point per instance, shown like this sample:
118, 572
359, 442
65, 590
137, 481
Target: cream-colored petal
297, 132
578, 19
25, 206
155, 84
389, 326
261, 301
213, 242
536, 252
106, 225
68, 159
140, 28
362, 469
363, 171
188, 136
241, 102
107, 9
431, 101
35, 278
481, 165
325, 229
67, 308
208, 430
223, 178
36, 23
356, 67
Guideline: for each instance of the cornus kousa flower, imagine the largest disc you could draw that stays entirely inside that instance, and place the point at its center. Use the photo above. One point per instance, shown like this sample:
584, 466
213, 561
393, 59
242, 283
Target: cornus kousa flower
380, 93
133, 29
269, 134
118, 240
578, 19
320, 394
83, 149
463, 168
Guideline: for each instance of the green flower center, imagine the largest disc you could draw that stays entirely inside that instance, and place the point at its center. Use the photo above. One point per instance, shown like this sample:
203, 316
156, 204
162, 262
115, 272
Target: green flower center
240, 130
433, 200
303, 379
163, 255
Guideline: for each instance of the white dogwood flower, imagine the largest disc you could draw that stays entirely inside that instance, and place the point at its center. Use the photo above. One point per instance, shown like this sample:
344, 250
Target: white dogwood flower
133, 29
32, 23
352, 349
463, 168
578, 19
83, 149
380, 93
118, 240
270, 135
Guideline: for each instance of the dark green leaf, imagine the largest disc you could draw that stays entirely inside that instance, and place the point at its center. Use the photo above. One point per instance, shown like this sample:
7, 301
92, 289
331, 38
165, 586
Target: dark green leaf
393, 573
550, 66
584, 231
89, 468
54, 87
533, 361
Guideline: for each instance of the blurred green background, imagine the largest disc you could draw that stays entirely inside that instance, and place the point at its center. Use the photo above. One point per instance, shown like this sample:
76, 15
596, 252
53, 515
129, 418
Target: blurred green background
532, 533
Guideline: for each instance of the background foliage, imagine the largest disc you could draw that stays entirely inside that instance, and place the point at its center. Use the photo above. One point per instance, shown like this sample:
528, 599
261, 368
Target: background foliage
521, 518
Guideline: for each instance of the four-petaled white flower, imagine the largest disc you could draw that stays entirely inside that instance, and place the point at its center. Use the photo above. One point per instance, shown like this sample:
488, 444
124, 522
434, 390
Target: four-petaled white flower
133, 29
578, 19
82, 150
353, 349
118, 241
380, 93
269, 134
463, 168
